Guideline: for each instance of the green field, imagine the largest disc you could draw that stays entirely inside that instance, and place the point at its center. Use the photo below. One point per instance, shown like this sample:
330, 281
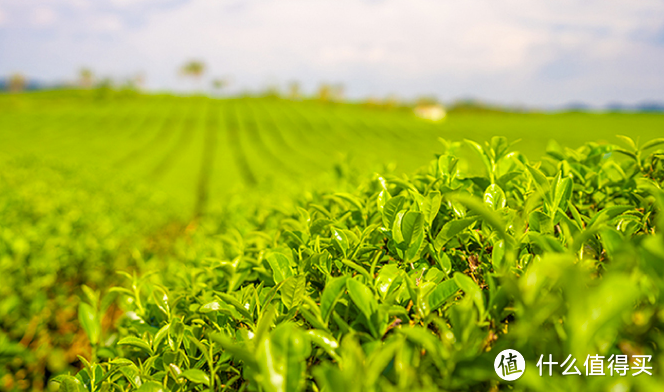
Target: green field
157, 242
181, 145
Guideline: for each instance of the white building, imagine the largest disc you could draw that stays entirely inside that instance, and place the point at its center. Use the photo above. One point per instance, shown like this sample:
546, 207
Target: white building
430, 112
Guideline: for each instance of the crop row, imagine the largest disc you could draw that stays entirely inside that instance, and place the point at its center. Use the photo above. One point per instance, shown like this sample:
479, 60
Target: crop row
163, 140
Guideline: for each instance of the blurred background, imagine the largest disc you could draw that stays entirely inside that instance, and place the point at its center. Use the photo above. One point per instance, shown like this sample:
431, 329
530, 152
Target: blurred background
544, 54
211, 96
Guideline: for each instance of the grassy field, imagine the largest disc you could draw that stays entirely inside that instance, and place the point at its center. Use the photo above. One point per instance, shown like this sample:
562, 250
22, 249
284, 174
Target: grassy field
155, 242
187, 147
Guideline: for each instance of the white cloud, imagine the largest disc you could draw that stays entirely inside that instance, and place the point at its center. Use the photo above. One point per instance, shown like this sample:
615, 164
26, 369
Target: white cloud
128, 4
3, 17
106, 23
43, 17
415, 36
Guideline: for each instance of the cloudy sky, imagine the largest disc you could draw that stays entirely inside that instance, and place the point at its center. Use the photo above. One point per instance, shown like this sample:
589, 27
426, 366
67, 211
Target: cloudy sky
533, 52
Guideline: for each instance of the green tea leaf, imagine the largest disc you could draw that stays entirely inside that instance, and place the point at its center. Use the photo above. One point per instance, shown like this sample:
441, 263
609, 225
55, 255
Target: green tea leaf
540, 222
70, 384
364, 299
471, 289
412, 226
281, 268
392, 207
325, 341
431, 206
451, 229
483, 155
197, 376
494, 197
150, 386
91, 324
490, 217
563, 192
443, 292
135, 342
334, 289
292, 291
652, 143
340, 241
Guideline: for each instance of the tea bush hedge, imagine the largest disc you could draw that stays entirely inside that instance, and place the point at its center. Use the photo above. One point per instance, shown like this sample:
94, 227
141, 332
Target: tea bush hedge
408, 282
60, 228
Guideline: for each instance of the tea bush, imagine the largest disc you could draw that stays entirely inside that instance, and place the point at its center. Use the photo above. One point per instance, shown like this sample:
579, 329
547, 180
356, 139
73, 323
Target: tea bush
406, 283
60, 228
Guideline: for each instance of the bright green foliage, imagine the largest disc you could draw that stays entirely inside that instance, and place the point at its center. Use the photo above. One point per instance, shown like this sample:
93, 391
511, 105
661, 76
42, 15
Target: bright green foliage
411, 283
308, 271
188, 146
60, 232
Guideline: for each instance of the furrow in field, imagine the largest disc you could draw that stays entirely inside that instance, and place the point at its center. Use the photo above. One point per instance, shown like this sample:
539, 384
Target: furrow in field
266, 157
164, 132
326, 137
182, 143
377, 124
426, 143
276, 113
233, 128
370, 145
391, 144
337, 119
283, 135
266, 126
159, 106
208, 157
148, 120
99, 145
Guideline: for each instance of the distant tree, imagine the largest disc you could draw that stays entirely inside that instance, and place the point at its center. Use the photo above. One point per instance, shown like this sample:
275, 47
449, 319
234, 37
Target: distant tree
85, 78
476, 106
294, 90
372, 102
426, 100
193, 69
17, 82
103, 88
219, 83
392, 101
272, 91
105, 83
331, 92
324, 92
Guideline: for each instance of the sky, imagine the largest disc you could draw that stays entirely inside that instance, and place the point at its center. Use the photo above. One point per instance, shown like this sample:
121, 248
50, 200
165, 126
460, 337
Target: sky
513, 52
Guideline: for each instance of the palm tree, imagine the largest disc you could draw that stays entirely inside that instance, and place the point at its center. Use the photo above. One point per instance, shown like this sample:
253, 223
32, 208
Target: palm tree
194, 69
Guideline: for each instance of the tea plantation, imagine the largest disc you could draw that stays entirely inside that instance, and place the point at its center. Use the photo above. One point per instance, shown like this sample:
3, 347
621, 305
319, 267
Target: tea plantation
187, 244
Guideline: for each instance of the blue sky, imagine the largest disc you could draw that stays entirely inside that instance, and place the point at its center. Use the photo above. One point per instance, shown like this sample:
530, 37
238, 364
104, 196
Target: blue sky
531, 52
